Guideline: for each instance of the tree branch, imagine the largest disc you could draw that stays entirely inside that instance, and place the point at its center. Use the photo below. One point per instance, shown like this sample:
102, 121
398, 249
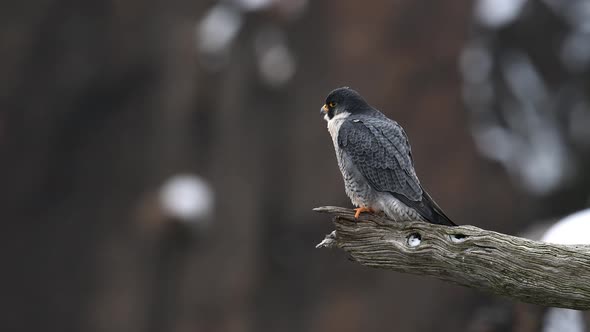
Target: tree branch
529, 271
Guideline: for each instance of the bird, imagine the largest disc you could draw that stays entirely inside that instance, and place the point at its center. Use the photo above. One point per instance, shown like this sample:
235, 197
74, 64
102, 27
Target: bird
375, 159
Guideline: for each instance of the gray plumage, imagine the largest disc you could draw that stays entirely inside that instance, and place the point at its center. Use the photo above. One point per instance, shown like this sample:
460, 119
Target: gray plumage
375, 159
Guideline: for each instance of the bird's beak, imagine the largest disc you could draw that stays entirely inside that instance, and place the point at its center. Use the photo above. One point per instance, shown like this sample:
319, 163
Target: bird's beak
324, 109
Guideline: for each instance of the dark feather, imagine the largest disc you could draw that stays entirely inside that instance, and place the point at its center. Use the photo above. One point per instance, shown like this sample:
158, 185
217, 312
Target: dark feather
379, 148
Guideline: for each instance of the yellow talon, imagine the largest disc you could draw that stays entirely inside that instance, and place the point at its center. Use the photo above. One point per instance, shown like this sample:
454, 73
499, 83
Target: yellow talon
360, 210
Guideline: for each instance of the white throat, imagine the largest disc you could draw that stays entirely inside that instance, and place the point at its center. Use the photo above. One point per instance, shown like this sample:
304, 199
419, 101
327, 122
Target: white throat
335, 123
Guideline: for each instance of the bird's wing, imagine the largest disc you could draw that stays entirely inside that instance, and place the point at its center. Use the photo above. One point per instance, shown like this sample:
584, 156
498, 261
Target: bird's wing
379, 148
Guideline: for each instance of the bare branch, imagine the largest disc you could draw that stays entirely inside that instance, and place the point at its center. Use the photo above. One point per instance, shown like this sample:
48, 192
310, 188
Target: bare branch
529, 271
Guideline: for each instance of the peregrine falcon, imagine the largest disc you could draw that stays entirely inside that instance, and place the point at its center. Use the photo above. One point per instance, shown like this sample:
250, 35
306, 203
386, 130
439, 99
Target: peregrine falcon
375, 159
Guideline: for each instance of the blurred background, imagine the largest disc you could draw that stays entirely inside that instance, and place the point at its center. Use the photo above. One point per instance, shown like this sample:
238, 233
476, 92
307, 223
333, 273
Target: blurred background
160, 159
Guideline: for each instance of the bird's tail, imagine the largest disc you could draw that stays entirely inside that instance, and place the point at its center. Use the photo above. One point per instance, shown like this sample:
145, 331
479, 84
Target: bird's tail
436, 215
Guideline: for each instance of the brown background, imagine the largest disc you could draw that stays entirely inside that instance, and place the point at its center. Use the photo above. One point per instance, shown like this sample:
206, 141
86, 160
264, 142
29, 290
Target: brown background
102, 101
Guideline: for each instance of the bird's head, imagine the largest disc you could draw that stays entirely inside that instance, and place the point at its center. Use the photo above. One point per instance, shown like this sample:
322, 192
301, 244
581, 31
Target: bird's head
343, 100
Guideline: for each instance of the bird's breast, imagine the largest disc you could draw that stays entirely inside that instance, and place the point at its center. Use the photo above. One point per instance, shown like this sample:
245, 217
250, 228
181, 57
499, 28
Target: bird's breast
355, 184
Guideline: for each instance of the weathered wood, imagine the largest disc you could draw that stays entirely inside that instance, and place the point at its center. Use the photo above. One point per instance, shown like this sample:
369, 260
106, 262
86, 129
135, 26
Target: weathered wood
529, 271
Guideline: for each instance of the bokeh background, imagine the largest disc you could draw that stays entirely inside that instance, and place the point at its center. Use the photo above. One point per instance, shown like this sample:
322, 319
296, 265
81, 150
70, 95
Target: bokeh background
160, 159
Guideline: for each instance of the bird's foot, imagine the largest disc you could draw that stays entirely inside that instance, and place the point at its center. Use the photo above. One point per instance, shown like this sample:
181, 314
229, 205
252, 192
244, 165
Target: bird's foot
360, 210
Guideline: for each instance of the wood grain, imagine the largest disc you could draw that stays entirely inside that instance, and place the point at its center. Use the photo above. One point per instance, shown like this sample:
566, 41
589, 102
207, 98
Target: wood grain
529, 271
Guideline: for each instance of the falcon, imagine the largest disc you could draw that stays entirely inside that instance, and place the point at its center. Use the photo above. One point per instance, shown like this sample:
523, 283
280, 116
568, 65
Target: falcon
376, 162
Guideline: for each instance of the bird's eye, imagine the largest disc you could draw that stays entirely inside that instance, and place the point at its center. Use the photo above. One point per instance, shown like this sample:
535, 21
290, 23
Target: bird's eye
332, 104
